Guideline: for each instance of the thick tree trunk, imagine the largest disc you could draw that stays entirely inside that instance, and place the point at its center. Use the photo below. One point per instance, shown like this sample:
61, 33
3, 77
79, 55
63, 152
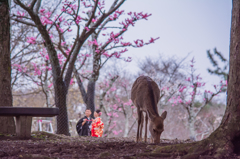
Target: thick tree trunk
7, 123
61, 103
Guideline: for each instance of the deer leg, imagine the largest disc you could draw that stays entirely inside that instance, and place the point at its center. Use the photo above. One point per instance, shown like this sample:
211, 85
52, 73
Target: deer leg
139, 123
141, 126
146, 123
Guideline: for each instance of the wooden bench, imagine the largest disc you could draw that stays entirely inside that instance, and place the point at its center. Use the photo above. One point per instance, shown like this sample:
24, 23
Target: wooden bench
24, 117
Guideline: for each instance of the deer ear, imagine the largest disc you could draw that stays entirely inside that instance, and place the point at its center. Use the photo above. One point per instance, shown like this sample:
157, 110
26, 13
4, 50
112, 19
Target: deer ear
164, 115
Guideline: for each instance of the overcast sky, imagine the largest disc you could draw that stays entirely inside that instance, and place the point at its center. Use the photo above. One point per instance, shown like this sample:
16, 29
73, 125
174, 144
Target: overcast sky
183, 26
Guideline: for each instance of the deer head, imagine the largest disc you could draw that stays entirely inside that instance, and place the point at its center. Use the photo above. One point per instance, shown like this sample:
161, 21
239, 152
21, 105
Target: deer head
156, 127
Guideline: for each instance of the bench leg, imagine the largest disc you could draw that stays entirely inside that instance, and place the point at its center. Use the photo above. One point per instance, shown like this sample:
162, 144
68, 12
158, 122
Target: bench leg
23, 126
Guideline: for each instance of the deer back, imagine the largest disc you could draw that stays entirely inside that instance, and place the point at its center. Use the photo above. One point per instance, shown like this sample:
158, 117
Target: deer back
145, 95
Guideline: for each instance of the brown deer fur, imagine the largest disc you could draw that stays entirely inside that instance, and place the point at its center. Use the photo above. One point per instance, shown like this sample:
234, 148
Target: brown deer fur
145, 95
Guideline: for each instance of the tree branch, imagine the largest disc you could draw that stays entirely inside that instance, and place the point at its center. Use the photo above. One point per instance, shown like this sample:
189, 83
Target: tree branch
93, 13
37, 6
24, 22
32, 4
80, 85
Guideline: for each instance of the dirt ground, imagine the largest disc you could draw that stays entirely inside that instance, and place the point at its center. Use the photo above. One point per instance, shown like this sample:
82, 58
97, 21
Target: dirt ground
50, 146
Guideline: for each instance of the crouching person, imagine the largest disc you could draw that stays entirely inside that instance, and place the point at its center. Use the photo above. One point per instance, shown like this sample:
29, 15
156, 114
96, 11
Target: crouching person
84, 124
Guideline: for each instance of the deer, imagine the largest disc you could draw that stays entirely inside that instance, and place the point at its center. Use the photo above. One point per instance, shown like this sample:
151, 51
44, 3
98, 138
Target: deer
145, 95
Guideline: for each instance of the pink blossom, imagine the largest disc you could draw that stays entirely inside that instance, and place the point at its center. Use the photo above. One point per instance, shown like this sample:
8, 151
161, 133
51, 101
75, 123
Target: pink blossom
20, 15
122, 51
88, 55
78, 19
61, 30
67, 51
152, 40
61, 19
192, 93
63, 43
215, 86
63, 9
188, 79
87, 28
72, 81
182, 88
47, 57
115, 114
93, 20
199, 84
126, 43
31, 40
42, 11
188, 102
106, 54
50, 85
45, 21
192, 61
119, 12
48, 14
144, 16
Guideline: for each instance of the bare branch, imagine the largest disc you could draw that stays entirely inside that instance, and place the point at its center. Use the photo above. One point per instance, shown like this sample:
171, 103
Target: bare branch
24, 22
113, 5
80, 85
32, 4
36, 10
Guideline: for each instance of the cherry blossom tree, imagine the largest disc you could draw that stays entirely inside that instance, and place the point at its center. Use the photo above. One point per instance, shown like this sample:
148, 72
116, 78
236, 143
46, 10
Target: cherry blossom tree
114, 101
193, 92
79, 21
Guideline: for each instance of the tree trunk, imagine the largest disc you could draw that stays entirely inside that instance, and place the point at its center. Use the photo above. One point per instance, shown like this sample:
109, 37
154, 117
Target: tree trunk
91, 96
61, 103
192, 129
60, 87
7, 123
126, 125
94, 78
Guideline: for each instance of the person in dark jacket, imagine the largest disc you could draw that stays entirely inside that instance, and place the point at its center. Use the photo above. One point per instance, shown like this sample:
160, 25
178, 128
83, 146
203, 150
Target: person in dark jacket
84, 124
